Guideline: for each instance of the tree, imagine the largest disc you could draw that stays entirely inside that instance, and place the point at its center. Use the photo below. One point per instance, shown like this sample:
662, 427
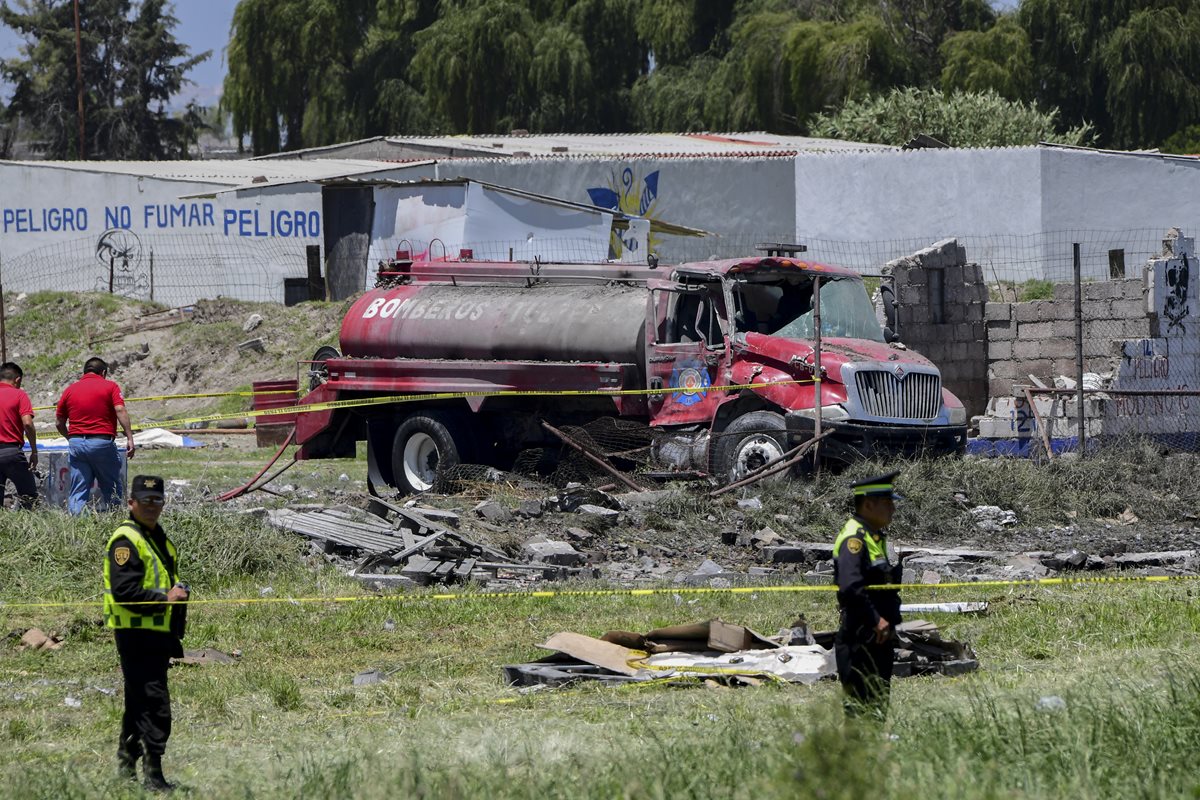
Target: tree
475, 65
999, 59
1127, 66
960, 119
132, 65
266, 82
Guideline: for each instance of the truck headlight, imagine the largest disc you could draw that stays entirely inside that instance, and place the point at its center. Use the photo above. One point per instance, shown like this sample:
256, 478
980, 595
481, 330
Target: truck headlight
832, 413
958, 416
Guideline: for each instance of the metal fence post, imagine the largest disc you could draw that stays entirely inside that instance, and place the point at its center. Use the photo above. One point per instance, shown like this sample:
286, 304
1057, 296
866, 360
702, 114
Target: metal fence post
1080, 442
817, 418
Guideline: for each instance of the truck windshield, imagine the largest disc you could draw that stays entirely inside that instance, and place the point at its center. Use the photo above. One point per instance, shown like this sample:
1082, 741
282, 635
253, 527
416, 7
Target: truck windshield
784, 307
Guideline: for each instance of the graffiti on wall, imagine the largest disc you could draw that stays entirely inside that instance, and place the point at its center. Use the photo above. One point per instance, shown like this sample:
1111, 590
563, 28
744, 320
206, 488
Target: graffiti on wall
1175, 300
120, 254
631, 195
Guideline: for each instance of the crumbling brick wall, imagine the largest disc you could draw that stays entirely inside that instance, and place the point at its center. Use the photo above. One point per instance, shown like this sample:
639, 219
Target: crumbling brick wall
1037, 337
939, 312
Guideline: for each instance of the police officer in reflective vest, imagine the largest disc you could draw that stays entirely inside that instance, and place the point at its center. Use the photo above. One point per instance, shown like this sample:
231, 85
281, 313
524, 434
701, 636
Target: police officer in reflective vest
143, 605
864, 644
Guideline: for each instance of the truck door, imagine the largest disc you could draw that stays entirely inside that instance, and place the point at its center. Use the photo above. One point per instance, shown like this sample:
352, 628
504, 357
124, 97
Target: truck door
686, 351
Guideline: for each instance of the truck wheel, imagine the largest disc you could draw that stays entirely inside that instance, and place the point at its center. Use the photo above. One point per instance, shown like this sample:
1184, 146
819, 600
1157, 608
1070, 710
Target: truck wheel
748, 443
424, 445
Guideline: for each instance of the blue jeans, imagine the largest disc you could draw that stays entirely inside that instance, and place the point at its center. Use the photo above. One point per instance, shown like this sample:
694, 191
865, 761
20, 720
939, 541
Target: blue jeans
94, 460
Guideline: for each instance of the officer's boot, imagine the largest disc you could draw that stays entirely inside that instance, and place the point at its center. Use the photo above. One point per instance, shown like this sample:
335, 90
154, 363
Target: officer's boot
127, 756
155, 781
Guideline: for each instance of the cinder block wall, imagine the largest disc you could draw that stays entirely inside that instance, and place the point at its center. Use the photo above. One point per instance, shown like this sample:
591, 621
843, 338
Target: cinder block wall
1037, 337
947, 327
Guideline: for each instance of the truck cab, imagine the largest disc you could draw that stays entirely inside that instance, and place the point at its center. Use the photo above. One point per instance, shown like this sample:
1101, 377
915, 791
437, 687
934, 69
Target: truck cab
752, 323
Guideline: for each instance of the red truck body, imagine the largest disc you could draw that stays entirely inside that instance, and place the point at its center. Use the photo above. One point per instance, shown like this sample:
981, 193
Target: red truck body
674, 338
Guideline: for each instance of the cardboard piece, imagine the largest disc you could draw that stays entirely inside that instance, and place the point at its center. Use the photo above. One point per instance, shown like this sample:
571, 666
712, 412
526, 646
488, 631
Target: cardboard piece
724, 637
611, 656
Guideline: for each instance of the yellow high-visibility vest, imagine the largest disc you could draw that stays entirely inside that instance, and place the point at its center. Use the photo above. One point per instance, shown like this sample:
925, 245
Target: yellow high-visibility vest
155, 575
876, 548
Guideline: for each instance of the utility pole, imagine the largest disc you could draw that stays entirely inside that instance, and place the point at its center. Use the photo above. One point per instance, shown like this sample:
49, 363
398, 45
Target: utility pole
79, 80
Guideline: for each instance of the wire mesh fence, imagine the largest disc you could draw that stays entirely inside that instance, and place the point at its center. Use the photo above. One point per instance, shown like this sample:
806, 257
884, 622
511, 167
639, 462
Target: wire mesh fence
177, 269
1126, 354
174, 269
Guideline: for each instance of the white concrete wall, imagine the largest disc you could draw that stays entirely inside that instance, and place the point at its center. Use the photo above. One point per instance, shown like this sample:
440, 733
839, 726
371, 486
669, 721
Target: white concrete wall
1087, 191
741, 198
899, 201
64, 229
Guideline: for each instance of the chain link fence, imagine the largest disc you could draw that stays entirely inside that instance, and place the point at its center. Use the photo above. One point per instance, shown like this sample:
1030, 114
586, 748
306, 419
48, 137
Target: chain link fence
1124, 353
174, 269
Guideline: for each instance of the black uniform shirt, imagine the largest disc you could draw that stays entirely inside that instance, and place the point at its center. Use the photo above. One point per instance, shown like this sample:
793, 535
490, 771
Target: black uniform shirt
854, 573
126, 578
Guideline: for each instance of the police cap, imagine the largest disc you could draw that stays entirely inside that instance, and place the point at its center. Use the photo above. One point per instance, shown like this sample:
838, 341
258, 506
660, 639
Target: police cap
877, 486
146, 487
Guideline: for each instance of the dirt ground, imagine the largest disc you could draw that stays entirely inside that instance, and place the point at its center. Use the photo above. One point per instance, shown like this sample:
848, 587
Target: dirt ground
52, 334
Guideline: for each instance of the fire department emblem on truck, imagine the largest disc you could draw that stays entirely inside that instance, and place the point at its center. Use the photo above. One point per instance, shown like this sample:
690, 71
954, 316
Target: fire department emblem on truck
690, 381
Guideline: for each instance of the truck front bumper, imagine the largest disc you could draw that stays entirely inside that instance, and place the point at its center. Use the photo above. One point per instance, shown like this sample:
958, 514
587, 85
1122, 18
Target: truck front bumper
851, 441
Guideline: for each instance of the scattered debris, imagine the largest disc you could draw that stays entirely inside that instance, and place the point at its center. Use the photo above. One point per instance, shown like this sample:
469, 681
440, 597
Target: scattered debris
421, 551
252, 322
35, 639
944, 608
368, 678
551, 552
257, 345
992, 518
205, 657
804, 664
724, 653
1052, 703
493, 512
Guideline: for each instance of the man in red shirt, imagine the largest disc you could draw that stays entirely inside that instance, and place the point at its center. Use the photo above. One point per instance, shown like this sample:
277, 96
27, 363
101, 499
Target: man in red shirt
88, 413
16, 426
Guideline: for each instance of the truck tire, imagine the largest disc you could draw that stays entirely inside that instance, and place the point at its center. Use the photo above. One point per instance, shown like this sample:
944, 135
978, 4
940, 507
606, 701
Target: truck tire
425, 444
748, 443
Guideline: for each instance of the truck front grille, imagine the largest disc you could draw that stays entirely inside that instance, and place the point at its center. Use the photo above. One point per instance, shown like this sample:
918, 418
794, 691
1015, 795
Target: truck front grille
917, 396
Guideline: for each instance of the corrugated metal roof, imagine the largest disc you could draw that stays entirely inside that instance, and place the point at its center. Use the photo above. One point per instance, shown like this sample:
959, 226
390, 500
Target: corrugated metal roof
660, 145
223, 173
697, 144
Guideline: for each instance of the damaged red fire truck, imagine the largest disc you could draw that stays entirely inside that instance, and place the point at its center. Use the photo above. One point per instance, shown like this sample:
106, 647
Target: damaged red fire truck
717, 357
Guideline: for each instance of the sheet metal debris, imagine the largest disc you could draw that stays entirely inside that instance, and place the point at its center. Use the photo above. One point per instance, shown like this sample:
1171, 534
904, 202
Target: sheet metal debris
943, 608
725, 653
412, 548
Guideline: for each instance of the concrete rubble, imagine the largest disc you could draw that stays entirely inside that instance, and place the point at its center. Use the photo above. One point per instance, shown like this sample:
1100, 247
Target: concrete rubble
583, 532
411, 549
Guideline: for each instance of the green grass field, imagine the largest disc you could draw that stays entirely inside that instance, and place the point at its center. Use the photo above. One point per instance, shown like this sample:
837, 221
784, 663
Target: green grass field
286, 720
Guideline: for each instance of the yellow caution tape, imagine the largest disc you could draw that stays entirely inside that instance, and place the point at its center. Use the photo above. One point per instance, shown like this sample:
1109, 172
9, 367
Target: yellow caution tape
413, 398
202, 395
543, 594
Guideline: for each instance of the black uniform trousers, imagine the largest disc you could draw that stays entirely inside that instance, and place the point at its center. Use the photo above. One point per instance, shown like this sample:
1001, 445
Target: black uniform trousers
14, 466
864, 669
145, 656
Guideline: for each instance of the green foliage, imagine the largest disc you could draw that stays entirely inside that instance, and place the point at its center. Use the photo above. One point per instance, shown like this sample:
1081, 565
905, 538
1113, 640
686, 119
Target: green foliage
960, 119
1036, 289
313, 72
131, 65
1127, 67
1185, 141
998, 59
